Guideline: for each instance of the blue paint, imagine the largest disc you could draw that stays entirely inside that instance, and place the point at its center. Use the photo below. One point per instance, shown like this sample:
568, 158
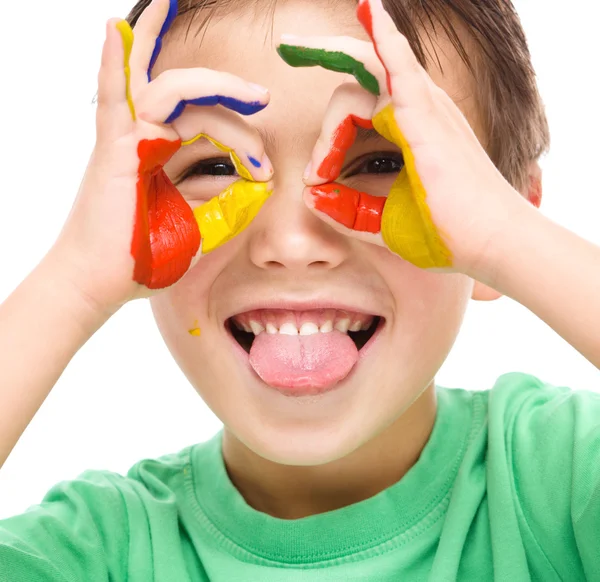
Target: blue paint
229, 102
254, 162
171, 16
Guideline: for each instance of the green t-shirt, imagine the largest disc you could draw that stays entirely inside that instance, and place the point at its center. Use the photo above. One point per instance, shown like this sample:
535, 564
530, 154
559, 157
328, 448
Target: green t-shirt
507, 488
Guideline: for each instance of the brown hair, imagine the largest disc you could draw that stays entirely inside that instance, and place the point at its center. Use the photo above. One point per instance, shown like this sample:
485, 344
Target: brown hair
512, 111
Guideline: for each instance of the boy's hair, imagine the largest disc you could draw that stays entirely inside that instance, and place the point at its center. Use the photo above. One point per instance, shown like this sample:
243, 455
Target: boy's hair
507, 96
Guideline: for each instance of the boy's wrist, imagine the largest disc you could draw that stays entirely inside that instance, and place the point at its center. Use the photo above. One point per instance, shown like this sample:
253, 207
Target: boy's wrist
63, 277
505, 238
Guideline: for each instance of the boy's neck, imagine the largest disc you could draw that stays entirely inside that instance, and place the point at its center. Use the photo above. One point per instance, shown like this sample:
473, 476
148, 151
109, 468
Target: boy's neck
292, 492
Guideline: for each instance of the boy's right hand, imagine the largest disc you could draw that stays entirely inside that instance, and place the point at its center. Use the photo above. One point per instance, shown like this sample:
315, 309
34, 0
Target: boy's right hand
130, 231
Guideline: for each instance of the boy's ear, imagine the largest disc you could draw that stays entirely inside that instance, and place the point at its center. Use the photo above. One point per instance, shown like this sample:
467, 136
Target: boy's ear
533, 193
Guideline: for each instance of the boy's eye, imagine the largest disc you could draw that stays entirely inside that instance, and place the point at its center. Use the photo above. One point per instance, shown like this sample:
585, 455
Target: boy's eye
378, 163
209, 168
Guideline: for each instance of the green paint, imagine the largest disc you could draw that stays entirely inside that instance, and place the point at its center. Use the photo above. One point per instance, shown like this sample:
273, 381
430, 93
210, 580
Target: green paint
299, 56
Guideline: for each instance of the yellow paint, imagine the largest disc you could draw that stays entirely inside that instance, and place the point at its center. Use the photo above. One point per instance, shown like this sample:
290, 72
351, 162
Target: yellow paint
229, 213
240, 168
195, 332
407, 227
127, 36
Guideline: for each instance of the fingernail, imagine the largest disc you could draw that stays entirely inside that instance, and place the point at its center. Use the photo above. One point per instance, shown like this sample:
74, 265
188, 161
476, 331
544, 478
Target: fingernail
258, 88
289, 37
307, 171
266, 165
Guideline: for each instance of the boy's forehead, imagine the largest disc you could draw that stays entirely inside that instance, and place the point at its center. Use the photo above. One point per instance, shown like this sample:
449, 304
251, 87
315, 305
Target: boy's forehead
244, 42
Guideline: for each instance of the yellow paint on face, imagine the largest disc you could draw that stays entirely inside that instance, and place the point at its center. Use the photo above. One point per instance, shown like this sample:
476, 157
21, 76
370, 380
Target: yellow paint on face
240, 168
406, 226
195, 332
127, 36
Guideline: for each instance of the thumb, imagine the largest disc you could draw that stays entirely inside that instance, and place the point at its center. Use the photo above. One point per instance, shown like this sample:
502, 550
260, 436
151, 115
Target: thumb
350, 212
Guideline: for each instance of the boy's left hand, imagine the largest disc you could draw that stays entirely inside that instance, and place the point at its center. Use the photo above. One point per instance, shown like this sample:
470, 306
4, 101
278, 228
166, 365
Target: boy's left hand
449, 202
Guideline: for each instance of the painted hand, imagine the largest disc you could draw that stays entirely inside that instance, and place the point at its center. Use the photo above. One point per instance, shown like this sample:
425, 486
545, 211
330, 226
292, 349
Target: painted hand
130, 225
449, 198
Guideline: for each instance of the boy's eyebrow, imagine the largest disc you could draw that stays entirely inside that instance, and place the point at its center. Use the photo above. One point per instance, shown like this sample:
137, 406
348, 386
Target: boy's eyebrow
270, 140
364, 134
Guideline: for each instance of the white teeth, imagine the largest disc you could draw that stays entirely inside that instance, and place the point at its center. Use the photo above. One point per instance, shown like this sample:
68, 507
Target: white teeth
288, 329
271, 329
355, 326
327, 327
366, 325
256, 327
309, 328
342, 325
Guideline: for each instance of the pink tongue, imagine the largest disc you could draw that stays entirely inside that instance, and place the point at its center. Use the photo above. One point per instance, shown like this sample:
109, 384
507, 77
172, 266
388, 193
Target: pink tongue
293, 361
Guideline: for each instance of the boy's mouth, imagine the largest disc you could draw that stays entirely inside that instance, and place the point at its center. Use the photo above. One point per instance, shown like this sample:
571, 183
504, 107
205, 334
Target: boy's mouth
303, 351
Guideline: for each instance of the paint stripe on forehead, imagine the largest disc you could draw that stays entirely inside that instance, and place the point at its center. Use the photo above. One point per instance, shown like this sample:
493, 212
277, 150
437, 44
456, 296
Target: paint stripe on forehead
171, 16
298, 56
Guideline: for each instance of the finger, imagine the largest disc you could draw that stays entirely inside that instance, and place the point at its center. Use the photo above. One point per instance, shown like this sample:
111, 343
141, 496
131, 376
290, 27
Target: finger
350, 107
335, 53
116, 113
349, 211
165, 99
228, 214
152, 26
221, 126
407, 81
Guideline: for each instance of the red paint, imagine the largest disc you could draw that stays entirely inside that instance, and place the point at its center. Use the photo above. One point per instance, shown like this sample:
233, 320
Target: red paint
356, 210
165, 234
535, 191
341, 142
363, 12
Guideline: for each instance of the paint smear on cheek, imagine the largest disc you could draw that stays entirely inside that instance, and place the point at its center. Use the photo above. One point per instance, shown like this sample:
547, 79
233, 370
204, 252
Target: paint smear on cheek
165, 235
341, 142
195, 331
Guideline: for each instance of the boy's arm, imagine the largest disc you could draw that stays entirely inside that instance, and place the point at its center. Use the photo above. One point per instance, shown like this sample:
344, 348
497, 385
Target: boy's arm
551, 271
42, 325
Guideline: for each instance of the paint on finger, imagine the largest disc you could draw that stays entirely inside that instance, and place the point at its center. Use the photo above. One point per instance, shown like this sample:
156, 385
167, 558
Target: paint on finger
365, 17
165, 235
227, 215
127, 37
356, 210
298, 56
407, 226
239, 166
241, 107
341, 141
254, 162
171, 16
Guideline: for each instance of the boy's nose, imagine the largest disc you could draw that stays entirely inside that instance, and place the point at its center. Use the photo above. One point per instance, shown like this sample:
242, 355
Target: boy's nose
286, 234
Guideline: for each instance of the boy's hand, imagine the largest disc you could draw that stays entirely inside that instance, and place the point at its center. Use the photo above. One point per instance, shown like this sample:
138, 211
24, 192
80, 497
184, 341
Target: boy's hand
130, 231
449, 201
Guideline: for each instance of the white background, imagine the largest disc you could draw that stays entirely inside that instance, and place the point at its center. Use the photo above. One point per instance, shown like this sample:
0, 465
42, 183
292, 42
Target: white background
123, 398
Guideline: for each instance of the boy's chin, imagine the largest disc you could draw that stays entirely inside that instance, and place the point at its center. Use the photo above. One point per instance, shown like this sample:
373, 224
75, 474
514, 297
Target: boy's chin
308, 448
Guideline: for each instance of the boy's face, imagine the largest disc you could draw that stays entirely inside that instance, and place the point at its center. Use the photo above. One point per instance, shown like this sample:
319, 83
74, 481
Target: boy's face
289, 258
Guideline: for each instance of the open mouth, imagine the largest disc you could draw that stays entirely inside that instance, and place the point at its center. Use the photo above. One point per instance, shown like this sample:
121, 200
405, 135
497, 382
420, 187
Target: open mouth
245, 327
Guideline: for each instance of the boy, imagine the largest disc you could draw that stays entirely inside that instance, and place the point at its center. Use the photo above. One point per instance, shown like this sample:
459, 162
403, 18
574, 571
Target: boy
339, 458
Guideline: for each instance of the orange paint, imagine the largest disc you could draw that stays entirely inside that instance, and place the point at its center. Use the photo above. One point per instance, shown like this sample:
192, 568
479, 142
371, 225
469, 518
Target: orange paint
356, 210
165, 234
363, 12
341, 142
